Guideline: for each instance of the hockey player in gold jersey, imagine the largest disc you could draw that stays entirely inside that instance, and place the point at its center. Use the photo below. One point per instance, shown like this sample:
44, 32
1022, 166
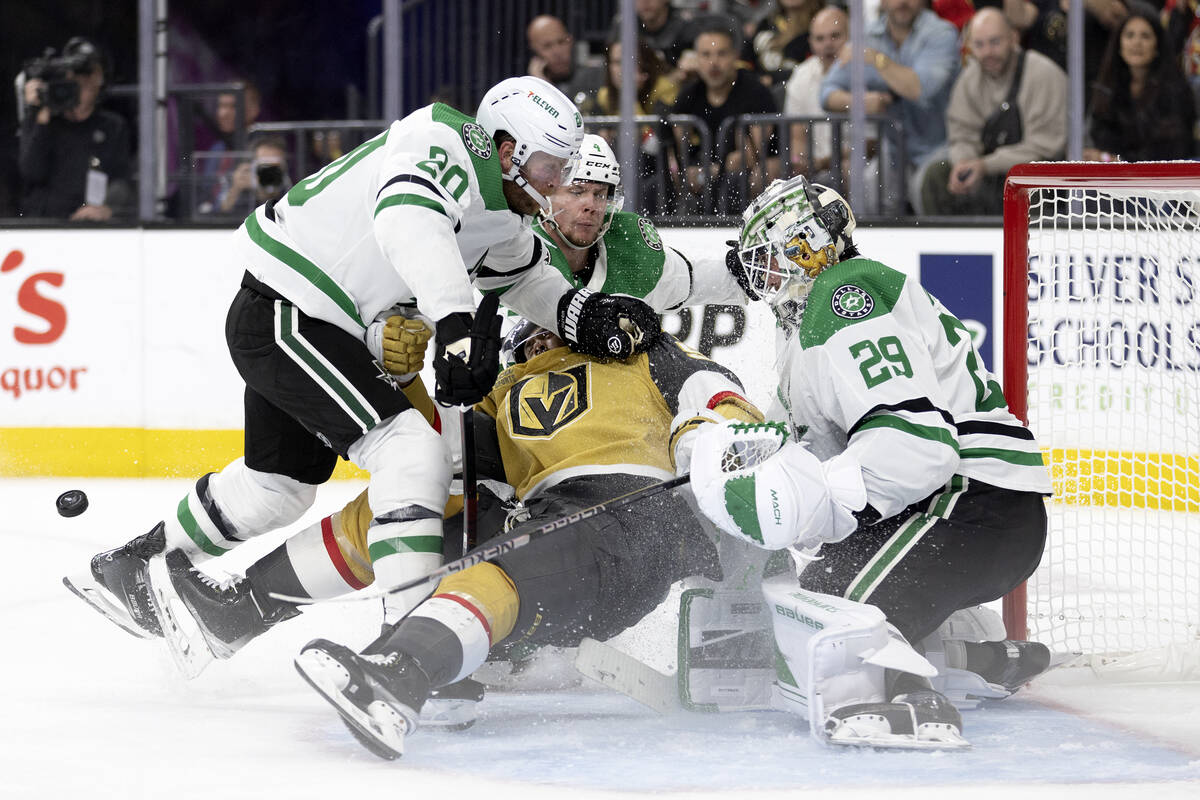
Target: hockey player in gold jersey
566, 431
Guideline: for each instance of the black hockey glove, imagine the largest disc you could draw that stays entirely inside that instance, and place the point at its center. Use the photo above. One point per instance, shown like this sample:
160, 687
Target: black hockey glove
606, 325
734, 264
468, 354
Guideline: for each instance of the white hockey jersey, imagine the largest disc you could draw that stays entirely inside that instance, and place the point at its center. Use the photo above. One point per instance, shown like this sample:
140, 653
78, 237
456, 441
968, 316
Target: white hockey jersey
632, 259
880, 368
416, 213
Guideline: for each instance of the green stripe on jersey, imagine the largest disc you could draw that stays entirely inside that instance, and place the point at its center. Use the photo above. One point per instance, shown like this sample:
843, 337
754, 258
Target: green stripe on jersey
912, 429
307, 269
194, 531
889, 556
305, 189
404, 544
410, 200
487, 170
332, 380
1018, 457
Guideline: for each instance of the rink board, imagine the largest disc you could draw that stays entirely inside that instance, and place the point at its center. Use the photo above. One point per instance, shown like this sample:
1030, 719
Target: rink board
113, 359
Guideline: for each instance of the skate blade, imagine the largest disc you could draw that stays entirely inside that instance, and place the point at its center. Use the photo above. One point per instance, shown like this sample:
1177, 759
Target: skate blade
448, 715
378, 728
189, 649
943, 738
89, 591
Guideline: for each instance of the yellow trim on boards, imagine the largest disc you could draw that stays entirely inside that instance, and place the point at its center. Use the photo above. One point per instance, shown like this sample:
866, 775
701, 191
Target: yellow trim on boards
124, 453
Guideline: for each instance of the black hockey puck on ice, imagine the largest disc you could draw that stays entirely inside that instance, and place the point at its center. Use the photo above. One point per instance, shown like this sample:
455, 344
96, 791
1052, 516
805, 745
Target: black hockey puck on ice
72, 503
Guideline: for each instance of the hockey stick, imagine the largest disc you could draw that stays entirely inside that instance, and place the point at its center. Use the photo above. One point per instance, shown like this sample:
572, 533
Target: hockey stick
495, 549
469, 481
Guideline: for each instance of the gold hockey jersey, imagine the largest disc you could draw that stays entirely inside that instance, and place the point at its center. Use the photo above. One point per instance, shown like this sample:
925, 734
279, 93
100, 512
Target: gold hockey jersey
562, 414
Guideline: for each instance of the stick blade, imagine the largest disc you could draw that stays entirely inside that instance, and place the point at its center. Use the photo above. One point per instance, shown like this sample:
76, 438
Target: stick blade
625, 674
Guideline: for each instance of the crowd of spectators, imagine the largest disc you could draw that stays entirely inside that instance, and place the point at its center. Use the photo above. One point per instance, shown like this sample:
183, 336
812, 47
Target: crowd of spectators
957, 92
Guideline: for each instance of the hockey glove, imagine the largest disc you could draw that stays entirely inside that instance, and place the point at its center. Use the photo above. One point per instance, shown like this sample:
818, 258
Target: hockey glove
787, 498
399, 343
468, 354
733, 263
606, 325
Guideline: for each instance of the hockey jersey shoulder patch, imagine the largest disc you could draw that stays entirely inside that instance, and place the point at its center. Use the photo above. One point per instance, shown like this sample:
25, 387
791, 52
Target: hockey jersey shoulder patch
634, 255
848, 293
485, 163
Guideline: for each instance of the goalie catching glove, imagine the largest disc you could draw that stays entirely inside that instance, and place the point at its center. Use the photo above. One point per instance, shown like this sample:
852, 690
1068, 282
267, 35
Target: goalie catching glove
606, 325
751, 482
468, 354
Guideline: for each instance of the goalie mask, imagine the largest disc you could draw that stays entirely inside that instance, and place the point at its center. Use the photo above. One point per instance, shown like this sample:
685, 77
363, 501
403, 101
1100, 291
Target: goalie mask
547, 127
790, 234
596, 164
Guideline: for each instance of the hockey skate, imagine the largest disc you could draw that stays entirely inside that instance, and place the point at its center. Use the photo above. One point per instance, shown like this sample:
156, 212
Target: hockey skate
918, 720
379, 697
1026, 660
203, 618
119, 584
452, 708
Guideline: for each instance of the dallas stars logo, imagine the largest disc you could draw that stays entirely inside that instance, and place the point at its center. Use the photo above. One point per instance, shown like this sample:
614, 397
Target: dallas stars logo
386, 376
649, 234
852, 302
477, 140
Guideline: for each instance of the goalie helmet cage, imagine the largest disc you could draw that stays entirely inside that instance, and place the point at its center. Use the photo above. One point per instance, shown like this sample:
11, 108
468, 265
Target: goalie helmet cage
1102, 360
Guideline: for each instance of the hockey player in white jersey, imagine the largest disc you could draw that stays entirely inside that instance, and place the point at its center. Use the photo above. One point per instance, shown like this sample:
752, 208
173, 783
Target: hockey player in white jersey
597, 245
904, 466
417, 217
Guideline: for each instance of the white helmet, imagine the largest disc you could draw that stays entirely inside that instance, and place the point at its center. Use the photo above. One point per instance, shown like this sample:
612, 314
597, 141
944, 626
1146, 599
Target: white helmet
596, 164
541, 119
790, 234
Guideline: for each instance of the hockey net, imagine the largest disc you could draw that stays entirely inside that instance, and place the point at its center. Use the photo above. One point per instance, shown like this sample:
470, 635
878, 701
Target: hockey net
1102, 353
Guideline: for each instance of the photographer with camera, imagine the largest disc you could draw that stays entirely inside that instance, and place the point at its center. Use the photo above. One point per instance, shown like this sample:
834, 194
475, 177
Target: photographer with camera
263, 178
74, 157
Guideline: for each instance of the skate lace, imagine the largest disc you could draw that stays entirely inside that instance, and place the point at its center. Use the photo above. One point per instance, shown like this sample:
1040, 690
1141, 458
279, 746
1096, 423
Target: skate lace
382, 659
227, 585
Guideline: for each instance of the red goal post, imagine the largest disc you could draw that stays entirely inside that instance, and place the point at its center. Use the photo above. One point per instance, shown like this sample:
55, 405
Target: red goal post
1101, 346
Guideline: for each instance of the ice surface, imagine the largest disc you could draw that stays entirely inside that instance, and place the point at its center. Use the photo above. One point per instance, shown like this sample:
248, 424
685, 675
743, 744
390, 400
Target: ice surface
91, 712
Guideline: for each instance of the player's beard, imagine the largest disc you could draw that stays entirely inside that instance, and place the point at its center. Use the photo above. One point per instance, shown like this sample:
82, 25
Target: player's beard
519, 200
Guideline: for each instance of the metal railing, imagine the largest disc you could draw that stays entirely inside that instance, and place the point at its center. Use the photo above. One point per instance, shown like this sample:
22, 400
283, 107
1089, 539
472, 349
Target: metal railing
469, 45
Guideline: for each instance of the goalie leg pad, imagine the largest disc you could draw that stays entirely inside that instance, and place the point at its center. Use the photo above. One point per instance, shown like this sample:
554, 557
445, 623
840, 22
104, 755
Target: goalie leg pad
832, 652
726, 655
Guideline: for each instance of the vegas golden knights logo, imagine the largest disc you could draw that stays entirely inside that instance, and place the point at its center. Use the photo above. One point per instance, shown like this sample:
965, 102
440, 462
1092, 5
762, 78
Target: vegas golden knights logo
544, 404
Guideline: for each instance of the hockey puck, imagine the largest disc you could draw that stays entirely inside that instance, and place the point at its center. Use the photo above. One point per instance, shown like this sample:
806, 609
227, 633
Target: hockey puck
72, 503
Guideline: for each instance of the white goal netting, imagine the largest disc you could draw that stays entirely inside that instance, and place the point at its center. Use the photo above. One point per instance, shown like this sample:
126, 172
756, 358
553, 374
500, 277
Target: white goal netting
1113, 369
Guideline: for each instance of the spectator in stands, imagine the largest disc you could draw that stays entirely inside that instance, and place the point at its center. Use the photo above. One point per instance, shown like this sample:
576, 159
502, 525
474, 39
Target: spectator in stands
1142, 106
723, 92
656, 94
912, 58
1043, 25
971, 179
74, 158
262, 179
553, 59
668, 32
826, 35
217, 169
780, 40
